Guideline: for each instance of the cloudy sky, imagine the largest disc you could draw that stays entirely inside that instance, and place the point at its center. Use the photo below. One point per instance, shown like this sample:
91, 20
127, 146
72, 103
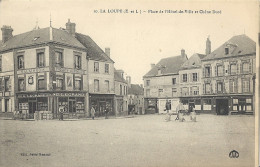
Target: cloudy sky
137, 40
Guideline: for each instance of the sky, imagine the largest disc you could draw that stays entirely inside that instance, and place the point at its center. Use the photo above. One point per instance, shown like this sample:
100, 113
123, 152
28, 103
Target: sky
137, 40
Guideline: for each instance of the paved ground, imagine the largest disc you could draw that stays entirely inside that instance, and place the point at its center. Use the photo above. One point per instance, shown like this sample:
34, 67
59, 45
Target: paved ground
140, 141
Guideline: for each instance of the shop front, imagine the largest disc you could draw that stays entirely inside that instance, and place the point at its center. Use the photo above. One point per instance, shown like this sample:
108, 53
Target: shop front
71, 104
150, 105
102, 102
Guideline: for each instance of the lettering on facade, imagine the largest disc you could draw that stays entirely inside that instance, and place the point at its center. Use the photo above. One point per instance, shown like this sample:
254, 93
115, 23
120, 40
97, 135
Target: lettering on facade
67, 70
32, 70
52, 94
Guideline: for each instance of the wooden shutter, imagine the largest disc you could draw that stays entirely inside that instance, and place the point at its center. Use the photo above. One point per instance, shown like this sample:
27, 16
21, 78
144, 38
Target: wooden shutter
235, 86
190, 90
228, 70
216, 87
249, 67
216, 74
198, 77
237, 68
203, 88
224, 69
224, 87
203, 72
241, 70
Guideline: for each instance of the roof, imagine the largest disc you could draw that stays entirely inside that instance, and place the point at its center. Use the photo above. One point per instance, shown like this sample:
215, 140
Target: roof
193, 62
170, 65
239, 45
94, 51
118, 77
39, 36
136, 89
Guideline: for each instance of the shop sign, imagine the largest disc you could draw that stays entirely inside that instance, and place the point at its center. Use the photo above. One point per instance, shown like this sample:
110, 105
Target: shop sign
68, 70
52, 94
32, 70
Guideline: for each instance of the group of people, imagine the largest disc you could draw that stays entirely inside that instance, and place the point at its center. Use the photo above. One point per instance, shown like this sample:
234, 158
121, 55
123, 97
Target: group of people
180, 112
93, 112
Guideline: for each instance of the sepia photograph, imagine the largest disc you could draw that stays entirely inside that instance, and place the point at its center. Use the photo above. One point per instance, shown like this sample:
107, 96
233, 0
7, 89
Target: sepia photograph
128, 83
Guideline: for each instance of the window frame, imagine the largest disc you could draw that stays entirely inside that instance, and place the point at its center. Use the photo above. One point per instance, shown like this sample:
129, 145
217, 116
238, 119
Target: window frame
230, 69
80, 87
77, 61
207, 71
195, 77
98, 88
61, 63
38, 84
19, 88
222, 87
243, 85
174, 81
107, 85
19, 61
96, 67
243, 70
220, 73
148, 82
186, 78
40, 65
209, 86
106, 68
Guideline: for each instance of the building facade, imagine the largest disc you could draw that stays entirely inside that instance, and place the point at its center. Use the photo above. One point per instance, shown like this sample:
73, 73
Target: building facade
190, 85
121, 91
135, 98
229, 77
49, 72
161, 83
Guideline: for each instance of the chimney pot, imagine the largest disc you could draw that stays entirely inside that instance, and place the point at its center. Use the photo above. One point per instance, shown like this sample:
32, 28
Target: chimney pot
152, 65
208, 46
183, 53
107, 51
71, 27
7, 33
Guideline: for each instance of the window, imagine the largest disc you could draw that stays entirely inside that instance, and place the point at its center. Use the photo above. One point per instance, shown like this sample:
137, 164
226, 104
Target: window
245, 67
173, 81
174, 92
20, 62
77, 61
59, 84
58, 59
1, 86
107, 68
219, 87
207, 88
21, 85
194, 77
185, 91
246, 85
77, 84
107, 86
184, 77
0, 62
121, 90
207, 71
233, 69
96, 67
96, 85
147, 82
7, 85
232, 86
226, 51
160, 92
219, 70
40, 59
41, 84
195, 90
147, 92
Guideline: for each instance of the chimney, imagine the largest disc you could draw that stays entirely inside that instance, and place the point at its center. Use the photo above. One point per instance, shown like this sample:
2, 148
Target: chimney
208, 46
152, 65
7, 33
71, 27
183, 55
141, 85
128, 79
107, 51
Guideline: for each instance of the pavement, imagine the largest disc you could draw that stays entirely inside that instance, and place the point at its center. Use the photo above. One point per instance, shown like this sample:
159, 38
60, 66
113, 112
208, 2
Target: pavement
143, 140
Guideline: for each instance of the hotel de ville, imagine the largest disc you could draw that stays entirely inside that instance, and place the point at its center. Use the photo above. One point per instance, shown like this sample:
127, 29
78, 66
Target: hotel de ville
48, 69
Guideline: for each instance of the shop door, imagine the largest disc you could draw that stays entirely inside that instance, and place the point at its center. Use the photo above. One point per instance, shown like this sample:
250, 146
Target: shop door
72, 106
6, 105
222, 106
102, 108
32, 109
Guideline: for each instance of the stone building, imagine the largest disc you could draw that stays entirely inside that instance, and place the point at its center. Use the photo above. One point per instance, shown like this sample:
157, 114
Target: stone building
135, 97
48, 69
121, 91
161, 83
43, 70
229, 77
100, 76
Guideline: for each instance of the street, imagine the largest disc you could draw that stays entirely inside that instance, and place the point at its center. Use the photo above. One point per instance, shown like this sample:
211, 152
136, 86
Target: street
144, 140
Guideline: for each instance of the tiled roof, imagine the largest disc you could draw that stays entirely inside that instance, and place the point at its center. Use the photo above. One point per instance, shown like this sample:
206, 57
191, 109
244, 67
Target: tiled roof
40, 36
170, 65
136, 89
241, 45
93, 50
193, 62
118, 77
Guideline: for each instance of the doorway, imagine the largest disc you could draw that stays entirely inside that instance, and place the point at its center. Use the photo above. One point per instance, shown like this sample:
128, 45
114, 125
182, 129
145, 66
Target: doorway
222, 106
72, 106
6, 105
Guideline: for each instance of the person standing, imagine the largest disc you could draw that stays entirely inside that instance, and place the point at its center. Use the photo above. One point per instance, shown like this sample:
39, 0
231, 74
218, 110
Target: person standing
106, 112
92, 111
168, 107
179, 109
193, 114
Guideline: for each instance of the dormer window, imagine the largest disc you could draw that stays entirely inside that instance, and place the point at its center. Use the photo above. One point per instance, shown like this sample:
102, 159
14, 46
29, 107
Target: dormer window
226, 51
